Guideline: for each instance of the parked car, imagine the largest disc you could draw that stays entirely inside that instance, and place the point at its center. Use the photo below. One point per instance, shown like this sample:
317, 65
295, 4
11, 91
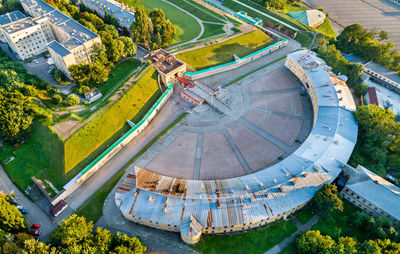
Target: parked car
34, 226
19, 207
13, 201
35, 232
24, 211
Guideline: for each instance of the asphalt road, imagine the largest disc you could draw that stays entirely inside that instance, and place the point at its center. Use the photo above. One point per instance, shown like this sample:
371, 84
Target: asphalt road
35, 215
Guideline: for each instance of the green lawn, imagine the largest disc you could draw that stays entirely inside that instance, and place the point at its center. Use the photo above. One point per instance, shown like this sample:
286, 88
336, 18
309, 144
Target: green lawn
252, 242
41, 156
276, 14
294, 7
305, 38
199, 11
327, 29
91, 136
305, 215
212, 30
93, 208
290, 249
242, 45
339, 224
119, 75
187, 27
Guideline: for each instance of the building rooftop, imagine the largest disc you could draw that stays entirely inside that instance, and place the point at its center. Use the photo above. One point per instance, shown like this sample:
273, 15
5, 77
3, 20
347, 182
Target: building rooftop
376, 190
163, 61
11, 17
331, 89
19, 25
385, 98
308, 17
262, 195
58, 48
76, 33
118, 10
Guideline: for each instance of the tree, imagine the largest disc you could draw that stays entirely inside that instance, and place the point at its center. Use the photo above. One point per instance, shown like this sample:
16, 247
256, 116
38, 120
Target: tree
57, 99
346, 245
276, 4
72, 232
379, 138
142, 28
72, 100
313, 242
11, 220
16, 115
163, 30
33, 246
80, 73
123, 242
98, 73
326, 200
129, 46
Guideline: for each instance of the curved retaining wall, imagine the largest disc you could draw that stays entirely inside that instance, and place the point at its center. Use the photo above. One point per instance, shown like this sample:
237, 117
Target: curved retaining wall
114, 148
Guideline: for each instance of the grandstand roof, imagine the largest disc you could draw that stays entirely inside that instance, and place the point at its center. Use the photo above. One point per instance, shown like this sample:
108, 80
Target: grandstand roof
261, 195
308, 17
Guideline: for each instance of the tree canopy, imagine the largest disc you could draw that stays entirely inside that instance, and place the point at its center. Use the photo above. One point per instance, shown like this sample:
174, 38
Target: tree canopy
368, 45
153, 30
326, 200
378, 139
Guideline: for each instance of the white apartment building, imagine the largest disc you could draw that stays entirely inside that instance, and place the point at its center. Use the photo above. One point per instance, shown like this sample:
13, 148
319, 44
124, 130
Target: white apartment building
8, 18
25, 37
122, 13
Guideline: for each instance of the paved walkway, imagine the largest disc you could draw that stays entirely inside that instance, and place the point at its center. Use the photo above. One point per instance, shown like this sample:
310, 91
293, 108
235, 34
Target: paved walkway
300, 228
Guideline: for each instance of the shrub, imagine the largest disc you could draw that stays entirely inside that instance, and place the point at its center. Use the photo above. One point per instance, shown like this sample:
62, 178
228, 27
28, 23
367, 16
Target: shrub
72, 100
57, 99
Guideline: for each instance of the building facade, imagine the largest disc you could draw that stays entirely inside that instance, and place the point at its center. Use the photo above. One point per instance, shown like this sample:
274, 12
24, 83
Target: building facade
67, 41
195, 207
372, 194
122, 13
25, 38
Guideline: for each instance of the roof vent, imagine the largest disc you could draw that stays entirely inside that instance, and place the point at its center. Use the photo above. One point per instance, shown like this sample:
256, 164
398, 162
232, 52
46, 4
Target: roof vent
150, 198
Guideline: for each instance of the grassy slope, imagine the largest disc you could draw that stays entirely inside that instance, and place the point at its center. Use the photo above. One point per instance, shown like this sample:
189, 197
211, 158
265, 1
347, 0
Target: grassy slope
201, 12
212, 30
119, 74
91, 136
327, 29
252, 242
337, 225
41, 156
93, 208
187, 27
223, 53
305, 215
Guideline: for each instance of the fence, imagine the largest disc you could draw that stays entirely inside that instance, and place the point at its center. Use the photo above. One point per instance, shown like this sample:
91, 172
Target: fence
281, 42
114, 148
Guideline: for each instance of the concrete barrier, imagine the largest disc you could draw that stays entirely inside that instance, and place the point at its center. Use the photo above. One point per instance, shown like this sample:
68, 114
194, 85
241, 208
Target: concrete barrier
89, 170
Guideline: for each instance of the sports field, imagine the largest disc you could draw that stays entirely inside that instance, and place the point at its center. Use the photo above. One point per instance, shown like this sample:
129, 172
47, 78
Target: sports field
221, 53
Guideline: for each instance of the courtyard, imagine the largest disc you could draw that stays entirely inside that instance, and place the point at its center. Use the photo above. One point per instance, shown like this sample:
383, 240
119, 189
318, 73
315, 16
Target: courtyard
267, 113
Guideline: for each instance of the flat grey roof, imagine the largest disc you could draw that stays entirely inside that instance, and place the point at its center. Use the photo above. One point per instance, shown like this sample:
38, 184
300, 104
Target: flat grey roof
376, 190
58, 48
11, 17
